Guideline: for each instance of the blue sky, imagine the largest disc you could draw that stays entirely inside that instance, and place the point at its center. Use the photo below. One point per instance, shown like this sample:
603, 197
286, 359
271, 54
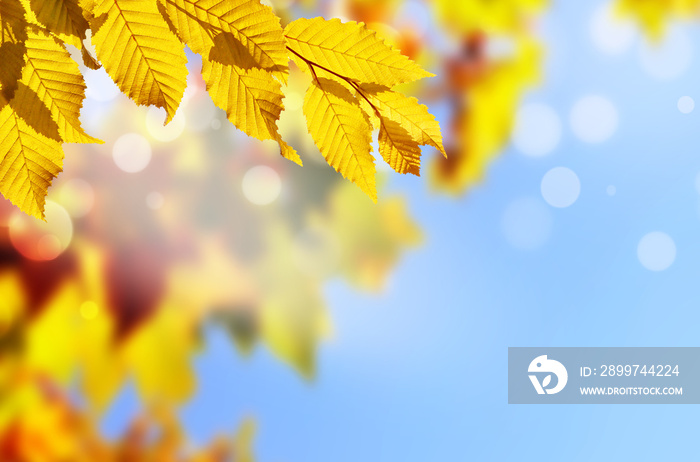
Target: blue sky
419, 372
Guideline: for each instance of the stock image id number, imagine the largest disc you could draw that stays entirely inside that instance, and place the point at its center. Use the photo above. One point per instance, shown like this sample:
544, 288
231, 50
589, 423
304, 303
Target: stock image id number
631, 370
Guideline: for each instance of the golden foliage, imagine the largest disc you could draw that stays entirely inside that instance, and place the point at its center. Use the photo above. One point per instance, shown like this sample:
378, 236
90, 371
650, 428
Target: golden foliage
350, 49
245, 55
403, 125
13, 34
348, 74
247, 33
46, 426
654, 15
341, 132
29, 163
272, 296
373, 237
484, 120
140, 53
54, 78
408, 113
398, 149
242, 52
64, 18
485, 90
502, 16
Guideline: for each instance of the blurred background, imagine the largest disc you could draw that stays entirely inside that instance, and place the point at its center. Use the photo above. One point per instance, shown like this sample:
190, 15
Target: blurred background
193, 296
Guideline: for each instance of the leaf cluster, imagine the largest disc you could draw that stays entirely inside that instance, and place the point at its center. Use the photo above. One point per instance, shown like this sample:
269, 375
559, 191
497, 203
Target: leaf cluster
245, 57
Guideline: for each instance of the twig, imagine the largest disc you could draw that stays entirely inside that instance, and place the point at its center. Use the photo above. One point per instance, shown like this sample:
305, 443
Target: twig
350, 82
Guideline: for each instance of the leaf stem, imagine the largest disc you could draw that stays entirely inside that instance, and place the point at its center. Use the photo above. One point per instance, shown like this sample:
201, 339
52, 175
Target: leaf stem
350, 82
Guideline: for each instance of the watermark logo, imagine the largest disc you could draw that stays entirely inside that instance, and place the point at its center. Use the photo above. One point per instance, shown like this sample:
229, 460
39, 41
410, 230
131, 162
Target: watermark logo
598, 375
540, 366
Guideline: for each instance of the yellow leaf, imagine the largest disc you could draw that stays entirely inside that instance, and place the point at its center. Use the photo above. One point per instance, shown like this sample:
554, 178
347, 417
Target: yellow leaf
158, 356
293, 319
61, 17
251, 98
88, 60
502, 16
408, 113
351, 50
242, 48
56, 358
372, 237
13, 22
102, 371
655, 15
202, 24
30, 161
243, 441
140, 53
12, 302
485, 124
88, 9
13, 33
342, 132
398, 149
51, 79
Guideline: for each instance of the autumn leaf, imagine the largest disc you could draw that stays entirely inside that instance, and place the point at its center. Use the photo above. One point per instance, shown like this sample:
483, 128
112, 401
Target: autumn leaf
51, 76
403, 125
342, 132
501, 17
14, 33
373, 236
351, 50
89, 61
43, 112
654, 16
243, 51
29, 162
251, 98
292, 316
350, 93
137, 49
408, 113
485, 90
398, 149
64, 18
245, 55
250, 30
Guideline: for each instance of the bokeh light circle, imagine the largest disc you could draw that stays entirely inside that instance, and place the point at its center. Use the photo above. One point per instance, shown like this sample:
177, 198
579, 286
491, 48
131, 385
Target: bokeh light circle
39, 240
201, 111
526, 223
77, 196
668, 58
154, 200
686, 104
100, 86
293, 100
610, 34
560, 187
155, 117
593, 119
261, 185
131, 152
191, 92
656, 251
317, 252
537, 130
89, 310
